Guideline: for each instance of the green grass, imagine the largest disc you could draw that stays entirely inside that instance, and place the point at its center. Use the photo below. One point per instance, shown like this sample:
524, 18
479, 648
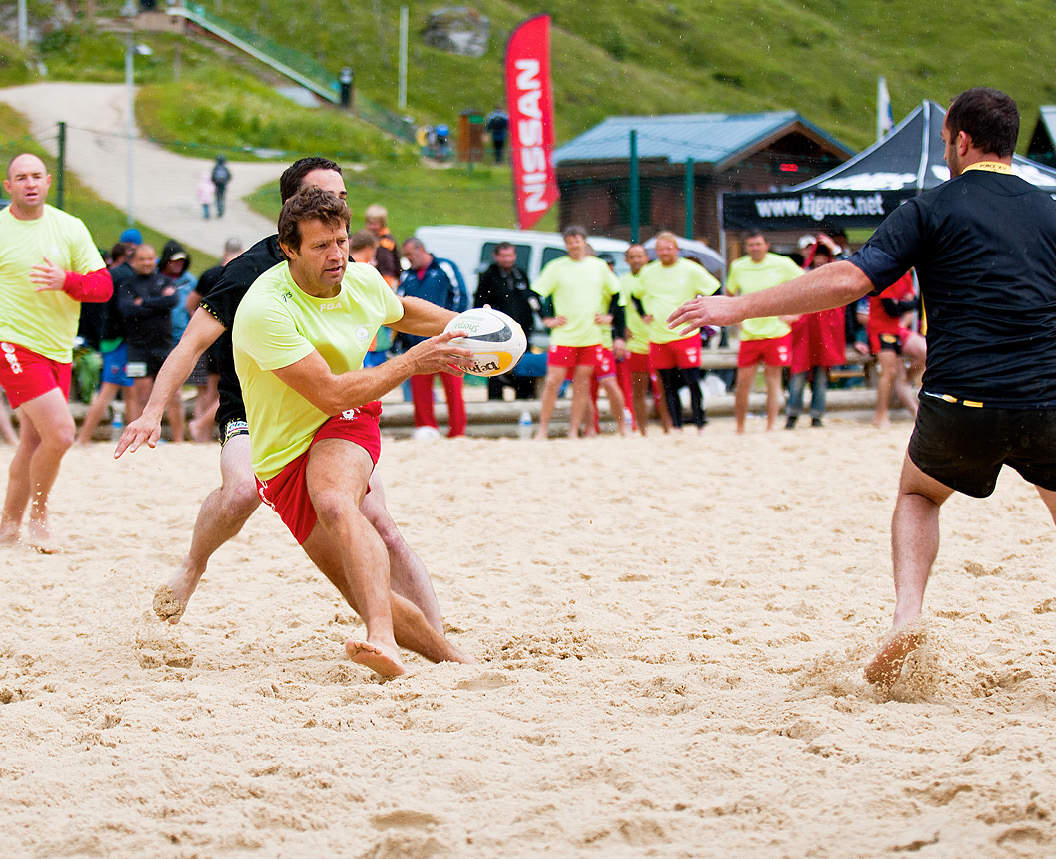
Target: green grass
243, 114
104, 221
819, 57
419, 196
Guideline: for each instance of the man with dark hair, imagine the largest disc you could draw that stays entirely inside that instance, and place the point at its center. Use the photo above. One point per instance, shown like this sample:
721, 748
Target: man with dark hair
226, 509
503, 285
48, 266
984, 248
300, 336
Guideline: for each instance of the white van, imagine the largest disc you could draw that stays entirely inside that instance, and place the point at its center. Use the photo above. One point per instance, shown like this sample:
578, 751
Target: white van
472, 249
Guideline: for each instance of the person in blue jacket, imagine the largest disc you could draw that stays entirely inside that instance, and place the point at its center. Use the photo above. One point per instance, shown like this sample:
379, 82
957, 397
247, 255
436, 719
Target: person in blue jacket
439, 281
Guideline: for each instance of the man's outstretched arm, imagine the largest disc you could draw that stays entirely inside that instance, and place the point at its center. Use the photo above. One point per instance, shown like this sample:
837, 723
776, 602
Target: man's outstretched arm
312, 378
832, 285
202, 331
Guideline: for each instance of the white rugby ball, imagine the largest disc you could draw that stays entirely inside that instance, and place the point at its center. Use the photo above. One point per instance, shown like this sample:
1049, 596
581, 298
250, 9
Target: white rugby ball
496, 341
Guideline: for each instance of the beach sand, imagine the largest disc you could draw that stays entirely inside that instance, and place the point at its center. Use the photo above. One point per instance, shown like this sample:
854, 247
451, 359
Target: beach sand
671, 634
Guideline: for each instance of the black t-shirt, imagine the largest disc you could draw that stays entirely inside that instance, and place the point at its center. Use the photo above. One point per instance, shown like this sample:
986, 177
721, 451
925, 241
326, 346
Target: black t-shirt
984, 247
222, 301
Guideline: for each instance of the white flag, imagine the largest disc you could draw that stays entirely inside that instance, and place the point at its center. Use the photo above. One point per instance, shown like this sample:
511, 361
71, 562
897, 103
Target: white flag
885, 119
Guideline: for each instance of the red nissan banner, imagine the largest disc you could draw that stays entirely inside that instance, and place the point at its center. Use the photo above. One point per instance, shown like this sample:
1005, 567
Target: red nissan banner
530, 101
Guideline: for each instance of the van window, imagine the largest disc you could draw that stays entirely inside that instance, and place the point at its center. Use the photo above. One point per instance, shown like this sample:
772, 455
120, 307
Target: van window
487, 255
552, 254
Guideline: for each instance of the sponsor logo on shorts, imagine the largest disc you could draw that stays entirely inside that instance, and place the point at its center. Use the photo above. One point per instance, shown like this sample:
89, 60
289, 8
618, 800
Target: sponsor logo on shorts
350, 414
12, 359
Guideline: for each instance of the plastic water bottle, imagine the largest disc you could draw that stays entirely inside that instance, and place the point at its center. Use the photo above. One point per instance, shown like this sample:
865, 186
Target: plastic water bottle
117, 424
524, 425
628, 420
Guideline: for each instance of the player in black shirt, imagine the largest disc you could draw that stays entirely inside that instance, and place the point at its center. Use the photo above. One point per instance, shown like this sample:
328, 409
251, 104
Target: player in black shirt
226, 509
984, 247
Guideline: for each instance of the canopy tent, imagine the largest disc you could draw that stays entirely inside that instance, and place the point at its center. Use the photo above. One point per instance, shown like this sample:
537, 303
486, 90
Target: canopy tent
863, 191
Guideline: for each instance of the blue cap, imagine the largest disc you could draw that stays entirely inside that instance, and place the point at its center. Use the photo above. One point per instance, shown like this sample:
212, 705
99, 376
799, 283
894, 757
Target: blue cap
132, 237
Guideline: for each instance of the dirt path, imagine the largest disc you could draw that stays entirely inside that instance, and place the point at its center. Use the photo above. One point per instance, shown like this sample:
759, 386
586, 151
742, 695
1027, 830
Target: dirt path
163, 183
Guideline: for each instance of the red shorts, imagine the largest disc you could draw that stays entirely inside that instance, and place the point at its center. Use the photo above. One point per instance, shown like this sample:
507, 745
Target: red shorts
775, 352
574, 356
25, 375
637, 363
684, 354
287, 492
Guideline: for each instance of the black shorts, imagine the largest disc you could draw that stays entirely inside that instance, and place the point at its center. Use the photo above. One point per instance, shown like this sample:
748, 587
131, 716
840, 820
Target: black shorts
232, 428
891, 343
964, 447
144, 363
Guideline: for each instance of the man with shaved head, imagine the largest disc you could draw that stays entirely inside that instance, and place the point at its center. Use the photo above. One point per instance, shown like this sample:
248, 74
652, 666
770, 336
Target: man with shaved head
48, 266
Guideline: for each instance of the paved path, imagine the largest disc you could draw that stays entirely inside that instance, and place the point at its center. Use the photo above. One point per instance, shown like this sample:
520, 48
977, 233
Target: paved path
164, 183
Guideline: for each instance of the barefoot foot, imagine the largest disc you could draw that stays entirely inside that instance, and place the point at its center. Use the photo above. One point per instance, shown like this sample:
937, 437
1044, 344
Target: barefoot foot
886, 667
379, 658
167, 606
40, 537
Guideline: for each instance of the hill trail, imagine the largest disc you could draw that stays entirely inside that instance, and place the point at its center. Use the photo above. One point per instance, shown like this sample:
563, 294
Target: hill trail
163, 183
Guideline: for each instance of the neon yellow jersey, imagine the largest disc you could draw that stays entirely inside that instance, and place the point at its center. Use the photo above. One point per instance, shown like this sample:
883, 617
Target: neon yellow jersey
746, 277
663, 289
638, 341
276, 325
43, 322
580, 290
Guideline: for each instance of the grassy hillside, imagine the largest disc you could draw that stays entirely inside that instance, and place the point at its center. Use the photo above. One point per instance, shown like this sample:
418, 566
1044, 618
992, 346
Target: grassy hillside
633, 56
817, 56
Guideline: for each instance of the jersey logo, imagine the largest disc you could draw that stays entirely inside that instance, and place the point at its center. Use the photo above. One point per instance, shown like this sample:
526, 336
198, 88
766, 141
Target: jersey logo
333, 305
363, 334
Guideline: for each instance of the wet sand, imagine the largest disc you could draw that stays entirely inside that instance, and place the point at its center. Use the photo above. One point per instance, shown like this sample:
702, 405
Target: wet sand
672, 633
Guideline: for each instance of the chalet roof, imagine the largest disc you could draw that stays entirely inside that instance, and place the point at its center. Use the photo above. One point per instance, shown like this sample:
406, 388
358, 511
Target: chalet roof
710, 138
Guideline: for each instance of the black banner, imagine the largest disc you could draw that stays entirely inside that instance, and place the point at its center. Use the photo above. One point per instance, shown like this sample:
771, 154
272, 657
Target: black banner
810, 210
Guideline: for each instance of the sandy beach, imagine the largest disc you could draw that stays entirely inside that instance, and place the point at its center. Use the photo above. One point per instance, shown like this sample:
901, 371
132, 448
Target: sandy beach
671, 634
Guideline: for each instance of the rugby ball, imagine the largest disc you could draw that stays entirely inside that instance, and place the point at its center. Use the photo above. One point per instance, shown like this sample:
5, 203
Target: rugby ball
496, 341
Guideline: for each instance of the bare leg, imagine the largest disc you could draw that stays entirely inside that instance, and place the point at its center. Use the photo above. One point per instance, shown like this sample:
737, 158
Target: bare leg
6, 427
890, 365
660, 398
409, 577
616, 403
411, 628
222, 515
580, 398
639, 383
205, 405
914, 349
175, 414
914, 545
337, 476
47, 433
773, 395
138, 395
102, 399
745, 380
555, 377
